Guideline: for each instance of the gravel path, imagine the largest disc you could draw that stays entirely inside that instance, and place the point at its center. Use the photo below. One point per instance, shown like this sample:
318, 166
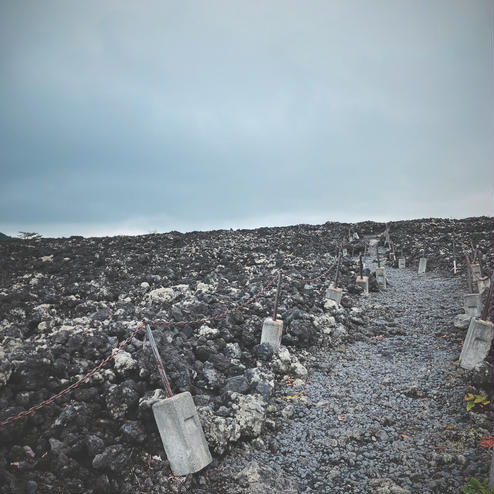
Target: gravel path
382, 415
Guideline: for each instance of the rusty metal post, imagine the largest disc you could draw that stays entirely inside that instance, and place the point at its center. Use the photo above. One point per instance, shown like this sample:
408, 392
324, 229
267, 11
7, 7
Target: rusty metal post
337, 277
469, 273
454, 255
488, 301
277, 296
159, 363
473, 250
361, 267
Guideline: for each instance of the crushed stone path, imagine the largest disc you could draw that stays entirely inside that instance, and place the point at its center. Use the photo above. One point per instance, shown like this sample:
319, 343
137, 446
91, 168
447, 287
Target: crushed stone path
383, 415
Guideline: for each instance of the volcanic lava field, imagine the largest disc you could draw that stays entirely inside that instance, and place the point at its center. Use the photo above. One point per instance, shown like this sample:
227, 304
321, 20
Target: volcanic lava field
365, 396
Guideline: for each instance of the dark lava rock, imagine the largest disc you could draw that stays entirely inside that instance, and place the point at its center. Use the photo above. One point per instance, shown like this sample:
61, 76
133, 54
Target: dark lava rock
121, 399
133, 431
239, 384
263, 351
114, 458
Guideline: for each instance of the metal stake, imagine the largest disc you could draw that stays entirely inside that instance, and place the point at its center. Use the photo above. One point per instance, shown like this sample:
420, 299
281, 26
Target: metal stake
454, 255
159, 363
361, 266
469, 273
378, 258
488, 301
277, 296
337, 278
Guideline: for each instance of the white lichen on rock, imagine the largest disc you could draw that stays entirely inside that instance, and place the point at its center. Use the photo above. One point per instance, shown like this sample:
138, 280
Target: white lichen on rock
124, 362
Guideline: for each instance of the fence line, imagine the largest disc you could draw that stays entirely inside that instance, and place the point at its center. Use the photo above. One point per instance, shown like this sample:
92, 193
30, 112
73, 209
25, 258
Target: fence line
141, 326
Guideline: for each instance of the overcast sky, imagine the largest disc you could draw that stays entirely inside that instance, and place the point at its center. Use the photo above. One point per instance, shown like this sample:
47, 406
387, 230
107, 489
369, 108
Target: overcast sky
132, 116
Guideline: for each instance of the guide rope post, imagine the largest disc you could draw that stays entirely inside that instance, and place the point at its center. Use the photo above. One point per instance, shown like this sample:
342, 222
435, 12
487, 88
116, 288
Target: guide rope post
474, 251
454, 255
378, 258
337, 277
159, 363
277, 296
469, 273
361, 267
488, 301
387, 234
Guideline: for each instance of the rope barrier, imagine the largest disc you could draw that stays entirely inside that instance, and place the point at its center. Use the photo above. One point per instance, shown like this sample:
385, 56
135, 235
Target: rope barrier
127, 341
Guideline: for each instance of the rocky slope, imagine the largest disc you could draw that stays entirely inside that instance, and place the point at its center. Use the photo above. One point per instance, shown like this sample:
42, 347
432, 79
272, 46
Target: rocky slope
65, 304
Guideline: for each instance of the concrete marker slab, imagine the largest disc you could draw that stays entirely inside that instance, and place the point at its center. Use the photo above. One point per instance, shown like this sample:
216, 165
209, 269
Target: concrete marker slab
272, 332
181, 433
401, 263
483, 284
364, 283
334, 294
381, 277
477, 343
476, 271
473, 304
422, 265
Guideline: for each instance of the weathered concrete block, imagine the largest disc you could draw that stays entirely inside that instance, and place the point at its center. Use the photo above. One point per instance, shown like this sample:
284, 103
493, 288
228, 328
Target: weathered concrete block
345, 252
401, 263
271, 332
422, 265
364, 283
476, 272
483, 284
181, 433
477, 343
381, 277
473, 304
334, 294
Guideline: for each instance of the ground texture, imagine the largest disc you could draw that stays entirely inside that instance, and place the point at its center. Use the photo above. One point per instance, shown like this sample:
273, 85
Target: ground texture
362, 397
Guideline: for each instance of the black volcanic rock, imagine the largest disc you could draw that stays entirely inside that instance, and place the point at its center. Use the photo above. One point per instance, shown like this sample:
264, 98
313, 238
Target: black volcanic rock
67, 304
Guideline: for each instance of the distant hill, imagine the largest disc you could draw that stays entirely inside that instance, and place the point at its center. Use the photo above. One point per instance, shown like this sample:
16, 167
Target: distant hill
5, 237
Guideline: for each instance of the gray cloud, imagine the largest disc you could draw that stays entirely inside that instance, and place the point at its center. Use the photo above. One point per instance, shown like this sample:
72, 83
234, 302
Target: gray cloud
203, 114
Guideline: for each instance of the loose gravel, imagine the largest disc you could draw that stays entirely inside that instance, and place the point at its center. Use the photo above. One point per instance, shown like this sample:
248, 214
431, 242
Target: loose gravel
381, 415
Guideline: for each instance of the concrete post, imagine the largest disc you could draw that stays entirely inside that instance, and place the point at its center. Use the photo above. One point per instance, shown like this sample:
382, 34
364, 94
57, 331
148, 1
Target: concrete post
477, 343
483, 284
334, 294
476, 271
364, 283
473, 304
422, 265
345, 252
181, 433
271, 332
381, 277
401, 263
